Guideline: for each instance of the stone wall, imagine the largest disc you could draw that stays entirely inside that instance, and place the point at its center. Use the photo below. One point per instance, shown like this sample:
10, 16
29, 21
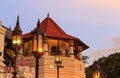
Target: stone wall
73, 68
2, 37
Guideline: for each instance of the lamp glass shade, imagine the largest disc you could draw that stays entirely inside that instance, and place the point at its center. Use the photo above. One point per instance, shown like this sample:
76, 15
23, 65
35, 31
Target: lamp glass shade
16, 40
34, 43
58, 59
40, 43
40, 50
96, 74
37, 43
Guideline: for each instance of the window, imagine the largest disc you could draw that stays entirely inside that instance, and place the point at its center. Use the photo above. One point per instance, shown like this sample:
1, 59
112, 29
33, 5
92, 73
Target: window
53, 50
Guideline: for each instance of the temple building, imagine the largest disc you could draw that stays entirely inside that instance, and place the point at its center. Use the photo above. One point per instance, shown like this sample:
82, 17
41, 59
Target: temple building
70, 48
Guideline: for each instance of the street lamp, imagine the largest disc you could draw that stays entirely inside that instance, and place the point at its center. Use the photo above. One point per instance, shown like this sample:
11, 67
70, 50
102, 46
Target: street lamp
16, 43
37, 39
58, 62
96, 70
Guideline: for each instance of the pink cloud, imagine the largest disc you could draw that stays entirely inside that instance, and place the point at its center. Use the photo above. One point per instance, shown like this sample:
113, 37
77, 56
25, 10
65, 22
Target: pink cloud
99, 53
116, 40
104, 4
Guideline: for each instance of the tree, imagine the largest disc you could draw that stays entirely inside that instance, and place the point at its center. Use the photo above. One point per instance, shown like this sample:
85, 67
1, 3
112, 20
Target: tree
110, 66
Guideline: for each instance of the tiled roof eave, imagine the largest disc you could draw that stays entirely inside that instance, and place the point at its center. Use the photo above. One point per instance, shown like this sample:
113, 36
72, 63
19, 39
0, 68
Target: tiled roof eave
59, 38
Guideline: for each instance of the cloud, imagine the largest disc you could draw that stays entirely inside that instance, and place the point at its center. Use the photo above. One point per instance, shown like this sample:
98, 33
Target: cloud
116, 40
99, 53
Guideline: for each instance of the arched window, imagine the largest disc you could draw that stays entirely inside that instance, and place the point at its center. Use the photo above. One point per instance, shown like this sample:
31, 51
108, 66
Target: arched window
53, 50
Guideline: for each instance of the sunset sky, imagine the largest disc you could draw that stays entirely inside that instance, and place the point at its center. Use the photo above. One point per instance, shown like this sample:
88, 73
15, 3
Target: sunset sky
95, 22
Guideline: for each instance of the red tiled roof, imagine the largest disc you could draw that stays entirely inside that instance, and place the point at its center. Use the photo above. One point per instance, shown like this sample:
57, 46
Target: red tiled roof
52, 30
27, 35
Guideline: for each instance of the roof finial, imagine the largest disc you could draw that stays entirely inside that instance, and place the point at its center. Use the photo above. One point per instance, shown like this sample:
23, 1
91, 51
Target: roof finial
17, 28
48, 14
38, 23
17, 23
18, 18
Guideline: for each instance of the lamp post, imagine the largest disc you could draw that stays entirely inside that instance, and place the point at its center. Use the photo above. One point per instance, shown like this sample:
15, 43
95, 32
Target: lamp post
96, 70
37, 39
58, 62
16, 43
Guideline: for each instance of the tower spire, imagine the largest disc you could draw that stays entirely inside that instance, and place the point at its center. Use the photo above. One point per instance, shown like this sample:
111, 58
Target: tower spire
48, 14
17, 27
17, 23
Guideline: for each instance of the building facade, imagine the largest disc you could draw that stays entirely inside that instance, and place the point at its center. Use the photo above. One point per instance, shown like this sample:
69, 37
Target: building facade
2, 43
70, 47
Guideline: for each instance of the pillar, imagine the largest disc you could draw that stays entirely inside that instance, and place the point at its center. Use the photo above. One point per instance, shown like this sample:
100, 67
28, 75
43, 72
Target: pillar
71, 52
2, 39
45, 47
80, 52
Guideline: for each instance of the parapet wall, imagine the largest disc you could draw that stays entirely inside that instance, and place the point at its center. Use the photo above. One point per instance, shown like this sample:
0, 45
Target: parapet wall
73, 68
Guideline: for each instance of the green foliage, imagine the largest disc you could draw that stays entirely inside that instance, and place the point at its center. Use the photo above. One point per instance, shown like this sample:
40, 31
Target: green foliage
89, 72
109, 66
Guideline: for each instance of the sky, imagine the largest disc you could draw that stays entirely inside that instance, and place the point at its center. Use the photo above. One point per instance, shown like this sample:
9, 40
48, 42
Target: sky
95, 22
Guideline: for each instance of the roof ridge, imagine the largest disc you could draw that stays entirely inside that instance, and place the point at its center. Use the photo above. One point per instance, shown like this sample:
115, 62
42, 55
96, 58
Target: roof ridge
46, 24
56, 25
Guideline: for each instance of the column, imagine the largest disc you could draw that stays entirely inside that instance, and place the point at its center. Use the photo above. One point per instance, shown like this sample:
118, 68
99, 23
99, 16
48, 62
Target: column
45, 47
80, 52
71, 52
